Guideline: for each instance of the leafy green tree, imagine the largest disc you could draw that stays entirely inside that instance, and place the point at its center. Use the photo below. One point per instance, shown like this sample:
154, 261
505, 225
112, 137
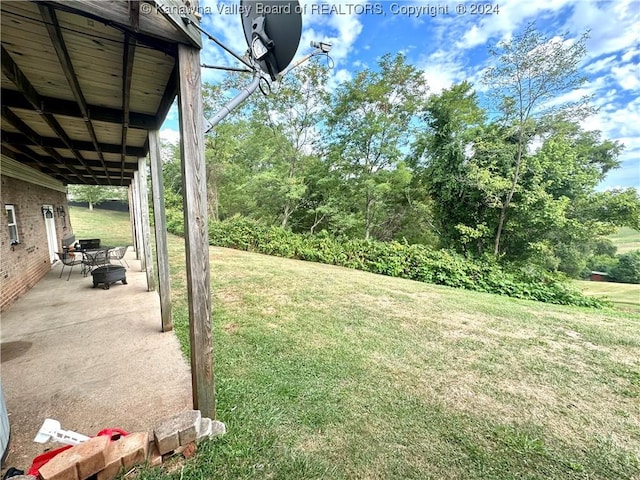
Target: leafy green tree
372, 120
95, 194
619, 207
292, 115
555, 212
530, 74
440, 159
628, 268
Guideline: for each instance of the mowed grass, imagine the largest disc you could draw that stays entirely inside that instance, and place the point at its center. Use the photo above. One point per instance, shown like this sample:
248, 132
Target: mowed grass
626, 239
625, 296
328, 373
325, 372
112, 228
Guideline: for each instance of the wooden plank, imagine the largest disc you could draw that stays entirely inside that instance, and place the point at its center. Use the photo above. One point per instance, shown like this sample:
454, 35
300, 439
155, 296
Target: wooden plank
169, 95
196, 230
13, 72
160, 221
53, 142
127, 72
132, 220
143, 192
14, 120
138, 219
15, 169
67, 108
51, 21
176, 11
33, 120
116, 12
24, 155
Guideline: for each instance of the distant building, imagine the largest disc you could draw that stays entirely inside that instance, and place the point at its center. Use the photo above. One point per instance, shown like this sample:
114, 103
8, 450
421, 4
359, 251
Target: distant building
599, 277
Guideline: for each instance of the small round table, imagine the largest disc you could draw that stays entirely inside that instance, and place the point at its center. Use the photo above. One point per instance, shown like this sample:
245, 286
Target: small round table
108, 274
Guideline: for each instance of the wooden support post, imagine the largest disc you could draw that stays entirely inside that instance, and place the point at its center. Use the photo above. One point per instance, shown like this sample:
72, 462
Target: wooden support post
132, 220
162, 250
146, 229
138, 216
194, 191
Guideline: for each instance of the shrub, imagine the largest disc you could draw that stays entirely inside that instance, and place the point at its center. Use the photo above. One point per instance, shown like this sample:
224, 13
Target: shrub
627, 269
415, 262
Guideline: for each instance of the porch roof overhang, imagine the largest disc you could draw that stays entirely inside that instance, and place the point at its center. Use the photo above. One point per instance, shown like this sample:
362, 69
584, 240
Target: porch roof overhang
84, 81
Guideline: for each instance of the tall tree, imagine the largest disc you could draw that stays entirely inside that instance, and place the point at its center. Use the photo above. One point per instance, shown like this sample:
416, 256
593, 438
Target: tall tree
292, 115
372, 121
441, 156
530, 73
95, 194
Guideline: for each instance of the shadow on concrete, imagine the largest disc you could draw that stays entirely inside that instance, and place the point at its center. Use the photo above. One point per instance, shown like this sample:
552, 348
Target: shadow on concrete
89, 358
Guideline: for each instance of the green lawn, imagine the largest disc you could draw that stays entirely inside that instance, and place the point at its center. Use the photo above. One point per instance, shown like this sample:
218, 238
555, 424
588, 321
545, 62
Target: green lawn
624, 296
626, 239
328, 373
112, 228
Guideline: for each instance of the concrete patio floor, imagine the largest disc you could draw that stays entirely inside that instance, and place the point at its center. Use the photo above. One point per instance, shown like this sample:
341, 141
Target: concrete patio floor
89, 358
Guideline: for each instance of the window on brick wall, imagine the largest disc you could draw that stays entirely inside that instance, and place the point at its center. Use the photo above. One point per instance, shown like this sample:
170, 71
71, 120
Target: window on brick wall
12, 224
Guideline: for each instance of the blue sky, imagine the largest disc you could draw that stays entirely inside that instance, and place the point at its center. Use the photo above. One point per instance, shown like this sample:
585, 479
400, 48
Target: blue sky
449, 41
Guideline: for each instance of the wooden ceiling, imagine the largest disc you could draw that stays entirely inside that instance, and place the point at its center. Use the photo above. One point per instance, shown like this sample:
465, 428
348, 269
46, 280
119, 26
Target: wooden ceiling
83, 82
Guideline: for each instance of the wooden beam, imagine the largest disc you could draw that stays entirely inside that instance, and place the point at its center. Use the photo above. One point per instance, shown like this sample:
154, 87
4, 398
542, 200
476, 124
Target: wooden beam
69, 108
53, 142
132, 220
169, 95
55, 35
138, 219
13, 73
134, 14
176, 12
127, 74
26, 156
194, 191
17, 123
146, 229
160, 222
153, 29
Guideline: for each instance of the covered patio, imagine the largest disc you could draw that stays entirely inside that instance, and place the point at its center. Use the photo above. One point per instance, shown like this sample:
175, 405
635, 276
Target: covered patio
86, 86
89, 358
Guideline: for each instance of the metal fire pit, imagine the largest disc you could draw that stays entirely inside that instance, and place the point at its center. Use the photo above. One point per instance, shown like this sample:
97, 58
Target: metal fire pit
107, 275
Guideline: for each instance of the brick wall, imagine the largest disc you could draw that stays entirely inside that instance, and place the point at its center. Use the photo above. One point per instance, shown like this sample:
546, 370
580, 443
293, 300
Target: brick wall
21, 266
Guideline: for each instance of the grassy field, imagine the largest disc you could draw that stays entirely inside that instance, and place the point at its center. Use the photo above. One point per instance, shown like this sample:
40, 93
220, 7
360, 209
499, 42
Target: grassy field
626, 239
624, 296
328, 373
112, 228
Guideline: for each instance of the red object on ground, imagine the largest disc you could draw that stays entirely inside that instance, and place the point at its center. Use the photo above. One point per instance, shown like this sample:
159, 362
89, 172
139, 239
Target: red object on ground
113, 433
40, 460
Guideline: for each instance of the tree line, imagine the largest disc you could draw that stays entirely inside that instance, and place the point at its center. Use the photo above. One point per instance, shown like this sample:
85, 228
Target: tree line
501, 169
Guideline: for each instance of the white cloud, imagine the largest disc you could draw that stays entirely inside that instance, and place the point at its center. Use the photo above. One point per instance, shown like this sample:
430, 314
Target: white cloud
170, 135
600, 65
612, 25
339, 76
622, 124
512, 15
440, 71
627, 76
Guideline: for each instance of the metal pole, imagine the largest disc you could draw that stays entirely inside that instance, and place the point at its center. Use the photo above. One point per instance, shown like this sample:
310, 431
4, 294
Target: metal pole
237, 100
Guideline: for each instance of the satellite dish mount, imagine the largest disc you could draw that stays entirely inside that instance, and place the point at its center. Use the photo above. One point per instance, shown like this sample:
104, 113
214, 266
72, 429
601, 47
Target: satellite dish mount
272, 29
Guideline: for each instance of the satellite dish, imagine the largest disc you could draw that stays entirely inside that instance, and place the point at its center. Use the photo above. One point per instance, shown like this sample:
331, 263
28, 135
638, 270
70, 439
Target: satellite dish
272, 29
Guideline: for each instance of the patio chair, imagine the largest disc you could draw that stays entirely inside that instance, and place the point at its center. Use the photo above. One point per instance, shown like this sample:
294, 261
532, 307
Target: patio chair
94, 259
69, 259
118, 254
